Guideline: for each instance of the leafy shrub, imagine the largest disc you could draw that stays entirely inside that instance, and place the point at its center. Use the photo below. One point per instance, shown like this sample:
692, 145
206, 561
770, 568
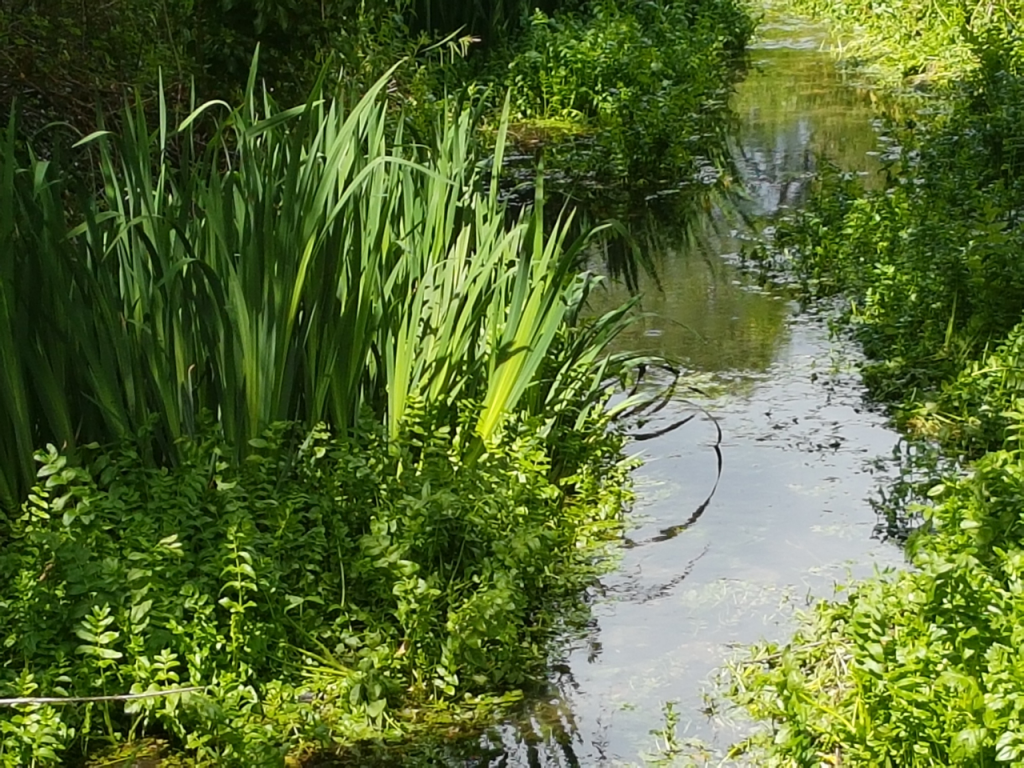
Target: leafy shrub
916, 668
930, 264
385, 577
649, 79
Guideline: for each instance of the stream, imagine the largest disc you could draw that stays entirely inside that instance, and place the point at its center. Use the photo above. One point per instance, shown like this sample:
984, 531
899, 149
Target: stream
798, 455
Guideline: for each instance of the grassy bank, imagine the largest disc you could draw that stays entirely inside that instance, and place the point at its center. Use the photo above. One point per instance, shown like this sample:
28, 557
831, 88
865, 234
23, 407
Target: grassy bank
923, 667
908, 43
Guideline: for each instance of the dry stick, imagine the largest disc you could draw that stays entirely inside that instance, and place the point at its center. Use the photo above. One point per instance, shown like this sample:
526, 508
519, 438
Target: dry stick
84, 699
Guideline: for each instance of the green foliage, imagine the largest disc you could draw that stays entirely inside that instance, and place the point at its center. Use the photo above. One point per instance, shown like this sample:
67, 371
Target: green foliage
303, 265
255, 267
930, 264
916, 668
649, 81
63, 54
573, 65
923, 667
387, 578
190, 294
913, 42
495, 20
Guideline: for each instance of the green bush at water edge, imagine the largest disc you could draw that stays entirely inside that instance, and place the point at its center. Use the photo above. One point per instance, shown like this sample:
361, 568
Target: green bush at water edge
385, 578
924, 667
644, 86
917, 668
304, 266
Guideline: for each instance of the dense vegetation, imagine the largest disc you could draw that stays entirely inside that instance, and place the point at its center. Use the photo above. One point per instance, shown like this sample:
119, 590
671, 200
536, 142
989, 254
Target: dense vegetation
639, 89
304, 267
924, 667
302, 414
62, 53
912, 43
627, 92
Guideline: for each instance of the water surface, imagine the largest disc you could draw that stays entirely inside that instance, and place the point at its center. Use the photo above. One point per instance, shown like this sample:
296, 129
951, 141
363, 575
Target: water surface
782, 431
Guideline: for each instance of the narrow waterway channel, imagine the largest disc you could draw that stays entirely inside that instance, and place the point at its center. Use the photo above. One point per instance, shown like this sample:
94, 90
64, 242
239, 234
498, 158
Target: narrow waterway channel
790, 517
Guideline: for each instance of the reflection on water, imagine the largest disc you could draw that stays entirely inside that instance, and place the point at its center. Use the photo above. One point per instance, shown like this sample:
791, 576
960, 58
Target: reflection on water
796, 441
708, 316
793, 106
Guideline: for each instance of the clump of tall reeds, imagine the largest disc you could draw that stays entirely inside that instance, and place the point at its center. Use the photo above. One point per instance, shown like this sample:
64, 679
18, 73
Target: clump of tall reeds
306, 264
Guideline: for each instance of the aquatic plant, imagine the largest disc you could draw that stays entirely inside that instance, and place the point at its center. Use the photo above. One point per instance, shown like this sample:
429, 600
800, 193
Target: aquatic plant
304, 265
321, 415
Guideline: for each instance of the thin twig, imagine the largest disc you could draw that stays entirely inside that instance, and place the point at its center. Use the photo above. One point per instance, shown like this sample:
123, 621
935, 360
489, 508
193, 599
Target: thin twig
84, 699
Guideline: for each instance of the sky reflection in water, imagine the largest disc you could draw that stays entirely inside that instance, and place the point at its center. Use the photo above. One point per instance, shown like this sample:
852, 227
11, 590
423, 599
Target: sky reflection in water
789, 518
